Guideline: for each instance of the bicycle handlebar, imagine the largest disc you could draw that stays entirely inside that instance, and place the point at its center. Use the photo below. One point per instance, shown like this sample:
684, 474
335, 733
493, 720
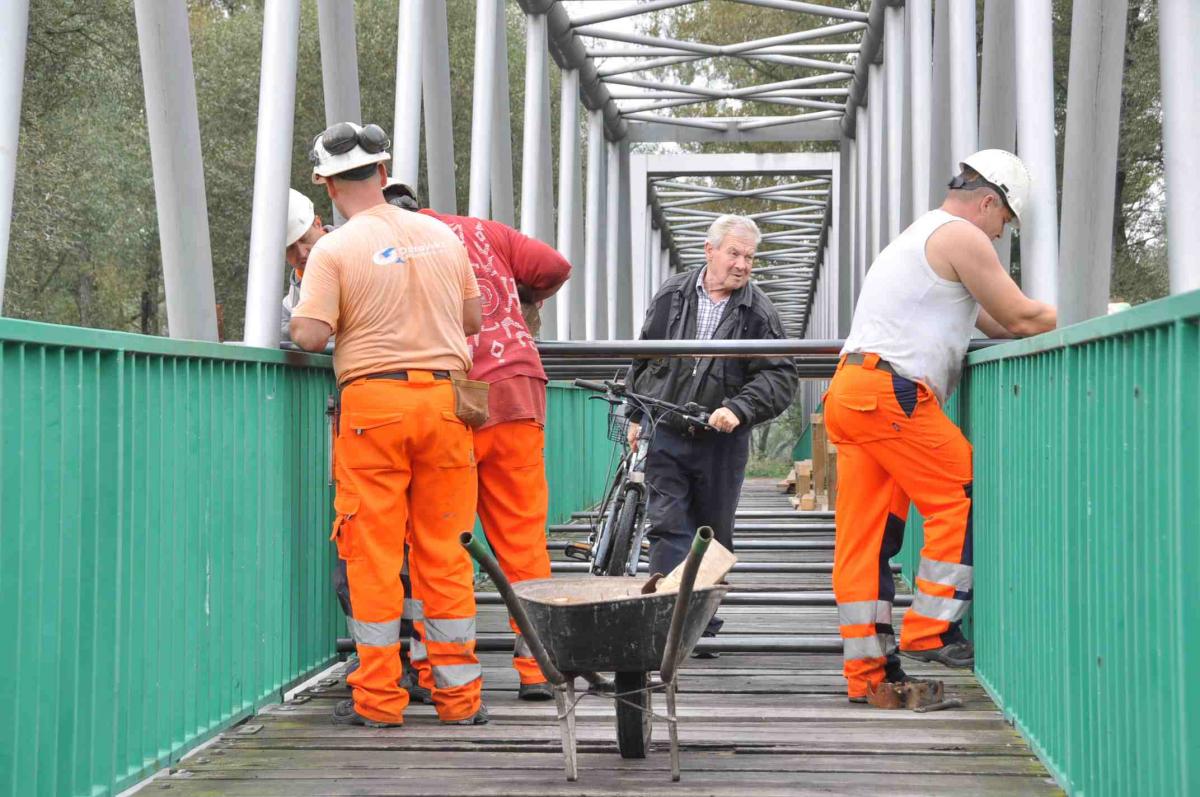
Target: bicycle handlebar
692, 413
596, 386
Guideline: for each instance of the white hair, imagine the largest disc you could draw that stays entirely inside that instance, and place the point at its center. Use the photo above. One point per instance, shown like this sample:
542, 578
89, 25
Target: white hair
729, 223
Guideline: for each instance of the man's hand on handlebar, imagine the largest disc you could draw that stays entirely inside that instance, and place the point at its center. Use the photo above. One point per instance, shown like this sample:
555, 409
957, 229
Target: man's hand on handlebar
723, 420
632, 433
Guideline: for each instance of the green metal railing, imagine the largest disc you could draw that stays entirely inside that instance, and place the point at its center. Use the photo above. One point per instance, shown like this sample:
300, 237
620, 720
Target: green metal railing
1086, 536
164, 512
164, 524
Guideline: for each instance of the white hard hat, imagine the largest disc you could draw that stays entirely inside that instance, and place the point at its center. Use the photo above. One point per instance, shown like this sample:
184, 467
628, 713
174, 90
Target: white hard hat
345, 146
300, 216
1005, 172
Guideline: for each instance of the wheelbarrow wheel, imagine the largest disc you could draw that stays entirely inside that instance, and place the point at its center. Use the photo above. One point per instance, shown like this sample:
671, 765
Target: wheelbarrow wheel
623, 536
634, 722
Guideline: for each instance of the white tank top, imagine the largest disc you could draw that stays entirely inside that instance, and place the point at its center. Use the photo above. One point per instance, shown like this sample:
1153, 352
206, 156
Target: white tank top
911, 317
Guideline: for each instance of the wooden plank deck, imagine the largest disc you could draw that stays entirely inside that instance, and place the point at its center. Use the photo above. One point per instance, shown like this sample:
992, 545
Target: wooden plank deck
751, 725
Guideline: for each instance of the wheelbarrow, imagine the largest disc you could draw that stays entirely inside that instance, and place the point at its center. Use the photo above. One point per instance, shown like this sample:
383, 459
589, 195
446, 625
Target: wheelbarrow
579, 627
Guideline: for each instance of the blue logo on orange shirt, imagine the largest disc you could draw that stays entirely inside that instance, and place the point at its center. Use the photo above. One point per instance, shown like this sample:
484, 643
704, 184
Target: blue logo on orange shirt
388, 257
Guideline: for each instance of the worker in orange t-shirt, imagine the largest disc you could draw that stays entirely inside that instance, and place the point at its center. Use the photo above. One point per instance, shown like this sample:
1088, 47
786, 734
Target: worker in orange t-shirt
399, 292
509, 447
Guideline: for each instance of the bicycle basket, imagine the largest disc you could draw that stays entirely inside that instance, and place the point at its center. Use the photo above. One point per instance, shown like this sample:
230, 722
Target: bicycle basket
618, 424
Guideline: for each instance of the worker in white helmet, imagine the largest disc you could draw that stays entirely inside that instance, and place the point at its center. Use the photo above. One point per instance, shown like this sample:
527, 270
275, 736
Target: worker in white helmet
304, 229
921, 300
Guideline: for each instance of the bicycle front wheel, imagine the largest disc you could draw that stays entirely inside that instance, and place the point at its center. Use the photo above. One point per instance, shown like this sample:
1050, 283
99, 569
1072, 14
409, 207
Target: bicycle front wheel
624, 533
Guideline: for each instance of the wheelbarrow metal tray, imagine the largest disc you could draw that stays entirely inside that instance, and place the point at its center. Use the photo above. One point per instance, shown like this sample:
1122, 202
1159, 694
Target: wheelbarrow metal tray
590, 624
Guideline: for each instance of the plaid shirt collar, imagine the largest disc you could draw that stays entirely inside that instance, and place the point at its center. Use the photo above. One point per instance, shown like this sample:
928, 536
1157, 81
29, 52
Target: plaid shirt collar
708, 312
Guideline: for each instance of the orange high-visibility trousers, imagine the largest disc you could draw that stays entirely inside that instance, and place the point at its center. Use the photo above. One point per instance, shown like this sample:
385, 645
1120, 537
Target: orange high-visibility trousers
403, 457
513, 503
895, 444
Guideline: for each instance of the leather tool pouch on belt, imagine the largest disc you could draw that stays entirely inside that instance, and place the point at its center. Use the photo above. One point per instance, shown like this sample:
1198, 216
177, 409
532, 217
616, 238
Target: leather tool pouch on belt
470, 399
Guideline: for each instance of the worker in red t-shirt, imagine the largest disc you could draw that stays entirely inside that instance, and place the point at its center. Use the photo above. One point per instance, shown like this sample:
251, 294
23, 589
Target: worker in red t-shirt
513, 496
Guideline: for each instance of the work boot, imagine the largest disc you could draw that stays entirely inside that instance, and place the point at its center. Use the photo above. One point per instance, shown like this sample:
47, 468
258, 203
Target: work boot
344, 713
894, 675
536, 692
959, 655
416, 693
480, 717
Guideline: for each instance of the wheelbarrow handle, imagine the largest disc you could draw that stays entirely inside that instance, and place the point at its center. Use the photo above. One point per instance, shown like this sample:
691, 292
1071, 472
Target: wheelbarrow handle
480, 554
691, 567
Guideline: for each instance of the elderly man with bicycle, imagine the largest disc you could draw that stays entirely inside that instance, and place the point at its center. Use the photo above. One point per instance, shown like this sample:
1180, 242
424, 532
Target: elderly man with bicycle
695, 474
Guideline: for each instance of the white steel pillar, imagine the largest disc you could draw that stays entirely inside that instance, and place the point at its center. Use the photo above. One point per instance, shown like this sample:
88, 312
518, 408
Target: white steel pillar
862, 168
502, 171
483, 107
896, 60
272, 171
1179, 32
174, 125
964, 103
919, 27
627, 322
875, 101
339, 66
612, 239
998, 92
14, 31
845, 237
439, 125
941, 166
535, 150
406, 130
1090, 159
656, 253
597, 159
1035, 139
639, 236
568, 200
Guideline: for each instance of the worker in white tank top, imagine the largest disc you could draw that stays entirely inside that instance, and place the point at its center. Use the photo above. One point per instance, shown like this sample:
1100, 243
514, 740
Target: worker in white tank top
920, 302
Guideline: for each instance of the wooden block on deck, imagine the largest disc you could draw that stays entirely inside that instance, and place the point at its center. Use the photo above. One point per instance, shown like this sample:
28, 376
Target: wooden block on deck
807, 503
787, 485
802, 471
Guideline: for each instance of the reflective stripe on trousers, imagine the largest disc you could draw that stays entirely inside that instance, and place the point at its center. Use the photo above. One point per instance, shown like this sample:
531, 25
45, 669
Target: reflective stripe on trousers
457, 632
375, 634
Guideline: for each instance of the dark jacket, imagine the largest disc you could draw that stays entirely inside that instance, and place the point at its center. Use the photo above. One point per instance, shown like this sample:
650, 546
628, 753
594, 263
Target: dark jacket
755, 389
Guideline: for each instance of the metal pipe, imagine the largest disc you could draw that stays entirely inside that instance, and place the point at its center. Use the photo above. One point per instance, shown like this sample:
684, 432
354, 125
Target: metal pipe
612, 239
515, 609
436, 100
896, 60
1090, 159
740, 567
1035, 140
627, 322
174, 127
940, 159
502, 167
483, 107
536, 128
868, 52
875, 171
339, 67
1179, 30
998, 94
406, 130
568, 196
964, 104
751, 643
272, 171
593, 259
673, 649
14, 31
919, 27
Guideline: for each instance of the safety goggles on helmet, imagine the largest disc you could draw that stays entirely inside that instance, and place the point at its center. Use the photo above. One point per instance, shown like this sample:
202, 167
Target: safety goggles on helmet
346, 146
960, 183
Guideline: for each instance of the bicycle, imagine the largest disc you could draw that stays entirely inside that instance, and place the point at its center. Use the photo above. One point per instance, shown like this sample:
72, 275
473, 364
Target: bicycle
616, 539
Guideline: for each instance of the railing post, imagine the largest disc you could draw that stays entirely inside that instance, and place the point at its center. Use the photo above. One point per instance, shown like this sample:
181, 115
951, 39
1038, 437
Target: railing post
612, 238
568, 200
339, 66
595, 229
439, 124
406, 130
272, 171
918, 20
998, 92
502, 171
174, 126
1035, 139
14, 31
483, 108
1090, 158
1179, 31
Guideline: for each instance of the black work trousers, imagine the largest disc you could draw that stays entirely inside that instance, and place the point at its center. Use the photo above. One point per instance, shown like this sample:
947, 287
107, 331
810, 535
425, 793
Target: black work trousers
693, 482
